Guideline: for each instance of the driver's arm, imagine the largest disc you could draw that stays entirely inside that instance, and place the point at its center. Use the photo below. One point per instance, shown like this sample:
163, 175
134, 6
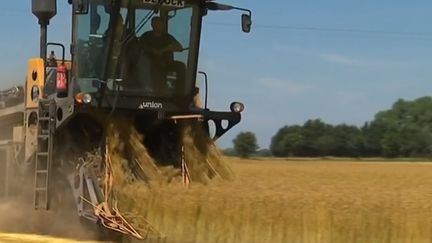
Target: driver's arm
174, 46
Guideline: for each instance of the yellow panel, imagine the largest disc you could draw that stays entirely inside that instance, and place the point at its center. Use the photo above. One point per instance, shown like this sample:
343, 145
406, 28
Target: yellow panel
35, 82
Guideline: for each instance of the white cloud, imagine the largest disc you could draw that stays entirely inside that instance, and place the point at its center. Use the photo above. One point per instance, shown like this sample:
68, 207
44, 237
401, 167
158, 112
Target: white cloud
284, 86
344, 60
364, 63
326, 57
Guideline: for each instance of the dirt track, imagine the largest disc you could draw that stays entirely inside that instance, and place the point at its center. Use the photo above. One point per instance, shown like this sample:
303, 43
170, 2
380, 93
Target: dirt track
22, 238
22, 224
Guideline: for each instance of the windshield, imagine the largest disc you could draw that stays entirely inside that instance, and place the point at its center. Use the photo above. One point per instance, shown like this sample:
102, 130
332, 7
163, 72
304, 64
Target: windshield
144, 47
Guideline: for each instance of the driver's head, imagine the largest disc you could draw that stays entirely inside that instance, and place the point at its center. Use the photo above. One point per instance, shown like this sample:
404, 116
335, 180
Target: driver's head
157, 25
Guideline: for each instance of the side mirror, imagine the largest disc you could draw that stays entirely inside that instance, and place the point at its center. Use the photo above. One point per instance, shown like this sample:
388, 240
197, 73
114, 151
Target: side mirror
246, 23
246, 18
80, 6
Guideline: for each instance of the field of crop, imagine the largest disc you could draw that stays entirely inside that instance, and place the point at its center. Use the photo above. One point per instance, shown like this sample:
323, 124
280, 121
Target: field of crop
299, 201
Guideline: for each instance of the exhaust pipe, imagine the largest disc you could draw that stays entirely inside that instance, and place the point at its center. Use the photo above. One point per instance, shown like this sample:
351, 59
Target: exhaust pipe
44, 10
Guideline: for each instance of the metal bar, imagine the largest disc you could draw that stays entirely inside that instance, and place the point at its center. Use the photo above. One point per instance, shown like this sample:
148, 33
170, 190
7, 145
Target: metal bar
186, 117
43, 39
91, 190
7, 175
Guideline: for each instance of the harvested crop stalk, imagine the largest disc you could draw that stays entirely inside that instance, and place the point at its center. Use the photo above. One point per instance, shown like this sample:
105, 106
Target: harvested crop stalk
132, 177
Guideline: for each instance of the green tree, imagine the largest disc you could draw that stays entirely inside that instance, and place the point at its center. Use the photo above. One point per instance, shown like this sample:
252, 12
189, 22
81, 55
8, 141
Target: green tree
229, 152
312, 131
348, 140
288, 141
245, 144
405, 130
293, 142
264, 153
277, 147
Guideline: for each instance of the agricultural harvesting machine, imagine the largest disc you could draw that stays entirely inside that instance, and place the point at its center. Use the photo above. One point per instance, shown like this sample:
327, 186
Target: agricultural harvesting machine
133, 60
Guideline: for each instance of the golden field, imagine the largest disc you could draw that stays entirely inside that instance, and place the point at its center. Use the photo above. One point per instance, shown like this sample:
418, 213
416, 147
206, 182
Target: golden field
299, 201
292, 201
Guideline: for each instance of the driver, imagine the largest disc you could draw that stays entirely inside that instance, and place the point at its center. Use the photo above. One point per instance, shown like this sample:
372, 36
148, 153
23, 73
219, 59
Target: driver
159, 47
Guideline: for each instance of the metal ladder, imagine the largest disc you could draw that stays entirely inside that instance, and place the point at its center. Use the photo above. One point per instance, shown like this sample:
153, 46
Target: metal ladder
44, 153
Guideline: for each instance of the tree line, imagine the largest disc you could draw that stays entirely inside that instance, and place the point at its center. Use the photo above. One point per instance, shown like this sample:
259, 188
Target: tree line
405, 130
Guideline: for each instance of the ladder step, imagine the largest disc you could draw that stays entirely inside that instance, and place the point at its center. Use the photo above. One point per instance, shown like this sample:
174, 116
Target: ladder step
46, 125
44, 102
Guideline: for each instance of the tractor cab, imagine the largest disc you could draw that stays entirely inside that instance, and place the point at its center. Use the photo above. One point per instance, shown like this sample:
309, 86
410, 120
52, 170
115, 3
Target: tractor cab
137, 54
137, 49
133, 56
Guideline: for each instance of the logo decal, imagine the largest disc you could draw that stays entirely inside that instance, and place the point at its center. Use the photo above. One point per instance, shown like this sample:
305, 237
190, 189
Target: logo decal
152, 105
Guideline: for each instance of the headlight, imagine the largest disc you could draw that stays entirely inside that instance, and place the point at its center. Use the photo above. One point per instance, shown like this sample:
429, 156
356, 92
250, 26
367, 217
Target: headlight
83, 98
237, 107
87, 98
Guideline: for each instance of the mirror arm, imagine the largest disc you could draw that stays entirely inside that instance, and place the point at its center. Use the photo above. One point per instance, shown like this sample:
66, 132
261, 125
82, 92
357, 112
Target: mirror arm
216, 6
245, 10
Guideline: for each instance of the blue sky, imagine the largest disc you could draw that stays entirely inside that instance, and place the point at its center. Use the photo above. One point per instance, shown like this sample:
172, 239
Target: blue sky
283, 75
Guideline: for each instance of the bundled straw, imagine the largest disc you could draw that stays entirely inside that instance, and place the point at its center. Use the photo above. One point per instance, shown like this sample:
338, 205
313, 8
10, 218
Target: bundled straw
203, 158
137, 178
